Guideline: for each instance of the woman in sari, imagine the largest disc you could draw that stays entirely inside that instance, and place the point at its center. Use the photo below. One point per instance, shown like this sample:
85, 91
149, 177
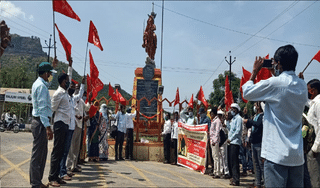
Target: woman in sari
104, 128
93, 133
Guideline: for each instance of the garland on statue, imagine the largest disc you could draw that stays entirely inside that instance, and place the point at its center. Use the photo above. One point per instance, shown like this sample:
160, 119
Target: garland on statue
151, 116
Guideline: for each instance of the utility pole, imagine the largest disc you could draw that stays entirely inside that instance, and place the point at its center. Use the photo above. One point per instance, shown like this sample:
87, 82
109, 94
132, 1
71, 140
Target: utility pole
48, 46
230, 63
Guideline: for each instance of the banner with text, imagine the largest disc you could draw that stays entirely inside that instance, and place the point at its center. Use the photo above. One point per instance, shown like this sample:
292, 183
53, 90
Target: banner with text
192, 144
18, 97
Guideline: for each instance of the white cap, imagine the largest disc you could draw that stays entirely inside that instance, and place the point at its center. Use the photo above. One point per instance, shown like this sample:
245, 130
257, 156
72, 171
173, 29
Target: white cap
220, 112
235, 105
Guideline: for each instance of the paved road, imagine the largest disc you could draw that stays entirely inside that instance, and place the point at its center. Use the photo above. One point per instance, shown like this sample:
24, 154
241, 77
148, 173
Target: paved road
15, 161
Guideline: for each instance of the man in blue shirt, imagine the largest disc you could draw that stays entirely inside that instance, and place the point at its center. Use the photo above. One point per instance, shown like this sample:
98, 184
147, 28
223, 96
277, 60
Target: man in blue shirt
234, 141
285, 96
40, 125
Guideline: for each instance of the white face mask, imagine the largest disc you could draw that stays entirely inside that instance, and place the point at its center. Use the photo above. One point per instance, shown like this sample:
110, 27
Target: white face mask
190, 114
254, 109
276, 71
233, 113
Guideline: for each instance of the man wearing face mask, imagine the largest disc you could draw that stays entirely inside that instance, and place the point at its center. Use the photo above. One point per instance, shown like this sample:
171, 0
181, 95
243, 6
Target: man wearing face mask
121, 123
40, 126
60, 104
285, 96
234, 141
255, 139
313, 118
188, 117
72, 145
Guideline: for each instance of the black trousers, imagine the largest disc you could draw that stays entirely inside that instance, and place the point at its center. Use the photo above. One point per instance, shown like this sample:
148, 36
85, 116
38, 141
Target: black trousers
119, 145
129, 145
175, 150
166, 146
233, 162
60, 130
39, 152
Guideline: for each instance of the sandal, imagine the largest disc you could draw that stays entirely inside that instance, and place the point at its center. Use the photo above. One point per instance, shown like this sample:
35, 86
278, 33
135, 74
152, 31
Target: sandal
234, 183
54, 184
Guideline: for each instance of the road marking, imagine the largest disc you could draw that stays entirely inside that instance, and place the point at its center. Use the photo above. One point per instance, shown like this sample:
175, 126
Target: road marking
16, 149
16, 167
160, 176
176, 174
141, 174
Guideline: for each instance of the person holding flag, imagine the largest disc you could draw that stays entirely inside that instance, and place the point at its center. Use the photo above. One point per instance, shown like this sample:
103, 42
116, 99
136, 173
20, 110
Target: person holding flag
121, 119
60, 104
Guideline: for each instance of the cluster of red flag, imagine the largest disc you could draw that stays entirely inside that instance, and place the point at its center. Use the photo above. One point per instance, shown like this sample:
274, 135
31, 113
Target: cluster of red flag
116, 96
263, 74
177, 100
94, 84
200, 97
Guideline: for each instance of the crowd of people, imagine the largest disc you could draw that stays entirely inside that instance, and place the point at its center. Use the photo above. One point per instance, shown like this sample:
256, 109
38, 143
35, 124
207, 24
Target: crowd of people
80, 127
278, 144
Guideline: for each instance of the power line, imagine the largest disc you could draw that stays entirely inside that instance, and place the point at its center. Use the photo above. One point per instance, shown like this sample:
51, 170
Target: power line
277, 29
275, 18
236, 31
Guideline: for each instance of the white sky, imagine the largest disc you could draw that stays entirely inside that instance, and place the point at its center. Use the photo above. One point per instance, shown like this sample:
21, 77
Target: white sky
196, 36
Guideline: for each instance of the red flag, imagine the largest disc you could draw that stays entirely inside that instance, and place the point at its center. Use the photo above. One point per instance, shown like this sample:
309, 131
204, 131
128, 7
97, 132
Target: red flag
94, 73
267, 57
63, 7
120, 98
65, 43
96, 85
111, 93
177, 100
89, 88
74, 81
92, 111
263, 74
190, 104
93, 37
228, 98
317, 56
245, 77
202, 98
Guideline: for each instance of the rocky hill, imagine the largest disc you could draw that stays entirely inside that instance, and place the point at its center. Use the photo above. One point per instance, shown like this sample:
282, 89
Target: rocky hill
19, 63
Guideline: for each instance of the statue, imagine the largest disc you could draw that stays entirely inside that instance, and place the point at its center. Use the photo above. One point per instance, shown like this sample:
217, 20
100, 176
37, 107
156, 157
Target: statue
5, 37
150, 38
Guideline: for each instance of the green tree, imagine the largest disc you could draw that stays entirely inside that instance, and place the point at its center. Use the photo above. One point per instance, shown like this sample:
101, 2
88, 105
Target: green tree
216, 97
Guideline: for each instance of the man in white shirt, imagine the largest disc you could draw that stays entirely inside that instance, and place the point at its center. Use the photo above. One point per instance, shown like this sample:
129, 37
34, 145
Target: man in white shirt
285, 96
129, 126
166, 138
80, 108
121, 124
314, 119
174, 137
60, 104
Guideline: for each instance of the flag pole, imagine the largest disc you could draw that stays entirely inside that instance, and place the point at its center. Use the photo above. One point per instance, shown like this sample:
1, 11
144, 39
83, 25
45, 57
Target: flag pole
307, 66
85, 61
54, 34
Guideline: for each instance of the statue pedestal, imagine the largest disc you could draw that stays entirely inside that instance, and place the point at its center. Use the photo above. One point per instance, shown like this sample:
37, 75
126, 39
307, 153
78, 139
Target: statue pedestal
145, 90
